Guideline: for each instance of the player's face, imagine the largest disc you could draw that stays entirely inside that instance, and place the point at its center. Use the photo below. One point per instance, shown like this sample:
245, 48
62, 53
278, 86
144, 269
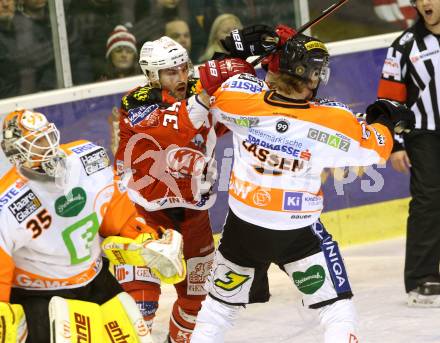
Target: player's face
123, 57
175, 80
7, 9
430, 11
179, 31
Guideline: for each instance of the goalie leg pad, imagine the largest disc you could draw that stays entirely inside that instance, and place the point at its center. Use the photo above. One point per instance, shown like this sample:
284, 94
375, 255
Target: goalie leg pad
117, 320
74, 321
123, 321
13, 328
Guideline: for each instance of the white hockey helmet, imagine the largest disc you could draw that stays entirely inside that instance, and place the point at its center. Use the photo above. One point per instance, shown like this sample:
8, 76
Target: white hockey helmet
163, 53
31, 141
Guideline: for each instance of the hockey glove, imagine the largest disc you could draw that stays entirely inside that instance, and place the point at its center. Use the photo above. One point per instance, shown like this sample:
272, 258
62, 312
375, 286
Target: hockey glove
163, 256
397, 117
250, 41
272, 61
213, 73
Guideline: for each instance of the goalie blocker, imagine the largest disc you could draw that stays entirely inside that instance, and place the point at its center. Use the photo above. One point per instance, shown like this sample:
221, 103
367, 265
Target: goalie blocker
163, 256
117, 320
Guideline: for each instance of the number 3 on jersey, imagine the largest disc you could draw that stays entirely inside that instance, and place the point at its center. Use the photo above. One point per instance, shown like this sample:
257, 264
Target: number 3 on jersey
79, 238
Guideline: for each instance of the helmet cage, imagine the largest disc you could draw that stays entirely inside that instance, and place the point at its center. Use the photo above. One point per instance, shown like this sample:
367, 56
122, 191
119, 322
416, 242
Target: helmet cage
32, 147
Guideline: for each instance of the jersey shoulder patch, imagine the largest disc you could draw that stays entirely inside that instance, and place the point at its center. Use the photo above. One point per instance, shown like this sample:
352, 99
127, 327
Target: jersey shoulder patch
93, 157
333, 103
141, 96
406, 38
78, 147
139, 114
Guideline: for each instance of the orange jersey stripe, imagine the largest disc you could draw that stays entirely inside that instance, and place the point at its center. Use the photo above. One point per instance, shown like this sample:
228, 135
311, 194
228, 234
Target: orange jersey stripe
9, 179
6, 275
23, 278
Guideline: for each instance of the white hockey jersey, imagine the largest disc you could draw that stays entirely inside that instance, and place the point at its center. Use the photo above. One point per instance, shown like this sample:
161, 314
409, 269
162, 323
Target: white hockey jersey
49, 234
281, 147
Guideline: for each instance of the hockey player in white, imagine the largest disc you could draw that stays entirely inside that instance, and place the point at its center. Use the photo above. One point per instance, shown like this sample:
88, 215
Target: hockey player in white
283, 139
54, 203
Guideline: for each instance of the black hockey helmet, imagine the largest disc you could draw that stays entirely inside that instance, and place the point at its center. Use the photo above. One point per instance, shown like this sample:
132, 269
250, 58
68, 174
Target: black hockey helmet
305, 57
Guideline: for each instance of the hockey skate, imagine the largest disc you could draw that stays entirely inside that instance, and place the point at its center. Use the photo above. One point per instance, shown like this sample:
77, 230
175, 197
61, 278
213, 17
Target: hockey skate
425, 295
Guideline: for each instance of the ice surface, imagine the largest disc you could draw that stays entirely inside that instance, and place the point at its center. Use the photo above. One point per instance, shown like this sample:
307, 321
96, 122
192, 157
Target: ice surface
376, 275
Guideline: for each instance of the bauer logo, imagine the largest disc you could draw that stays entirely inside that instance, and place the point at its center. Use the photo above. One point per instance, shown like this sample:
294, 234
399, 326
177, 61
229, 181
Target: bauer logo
95, 161
136, 115
292, 201
24, 206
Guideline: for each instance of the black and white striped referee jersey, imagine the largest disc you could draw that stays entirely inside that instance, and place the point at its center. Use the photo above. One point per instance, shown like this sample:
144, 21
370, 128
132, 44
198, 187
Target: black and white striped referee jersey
411, 75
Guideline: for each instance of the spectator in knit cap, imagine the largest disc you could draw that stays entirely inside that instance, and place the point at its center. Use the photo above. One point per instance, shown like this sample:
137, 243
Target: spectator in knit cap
121, 55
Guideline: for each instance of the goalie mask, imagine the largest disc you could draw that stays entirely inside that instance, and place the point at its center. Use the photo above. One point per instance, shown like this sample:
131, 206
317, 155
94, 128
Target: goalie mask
306, 58
163, 53
30, 141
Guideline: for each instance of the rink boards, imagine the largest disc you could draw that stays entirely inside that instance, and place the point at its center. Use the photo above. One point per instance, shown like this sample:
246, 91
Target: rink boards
355, 211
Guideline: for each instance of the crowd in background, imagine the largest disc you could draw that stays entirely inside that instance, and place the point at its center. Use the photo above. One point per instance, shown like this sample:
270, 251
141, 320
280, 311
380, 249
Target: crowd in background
104, 36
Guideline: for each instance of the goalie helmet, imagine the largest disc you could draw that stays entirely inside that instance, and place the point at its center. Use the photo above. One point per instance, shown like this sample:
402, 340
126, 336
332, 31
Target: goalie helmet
162, 53
30, 141
306, 58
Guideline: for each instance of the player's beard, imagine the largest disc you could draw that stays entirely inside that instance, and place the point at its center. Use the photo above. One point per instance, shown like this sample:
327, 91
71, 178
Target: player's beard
179, 90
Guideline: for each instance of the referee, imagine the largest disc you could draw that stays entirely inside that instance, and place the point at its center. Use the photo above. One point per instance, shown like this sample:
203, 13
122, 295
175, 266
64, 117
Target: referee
411, 75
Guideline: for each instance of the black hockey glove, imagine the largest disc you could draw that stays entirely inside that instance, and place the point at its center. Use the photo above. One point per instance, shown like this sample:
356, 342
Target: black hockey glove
250, 41
397, 117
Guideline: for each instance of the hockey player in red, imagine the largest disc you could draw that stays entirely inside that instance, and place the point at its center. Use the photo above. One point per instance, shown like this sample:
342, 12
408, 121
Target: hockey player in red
169, 155
274, 194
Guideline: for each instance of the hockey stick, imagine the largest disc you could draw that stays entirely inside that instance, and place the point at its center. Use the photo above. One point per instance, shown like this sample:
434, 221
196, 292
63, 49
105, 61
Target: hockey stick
307, 25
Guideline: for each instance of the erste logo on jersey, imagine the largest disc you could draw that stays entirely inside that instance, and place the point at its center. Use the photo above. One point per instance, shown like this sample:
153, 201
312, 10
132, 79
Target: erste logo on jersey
82, 148
8, 196
95, 161
248, 86
24, 206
